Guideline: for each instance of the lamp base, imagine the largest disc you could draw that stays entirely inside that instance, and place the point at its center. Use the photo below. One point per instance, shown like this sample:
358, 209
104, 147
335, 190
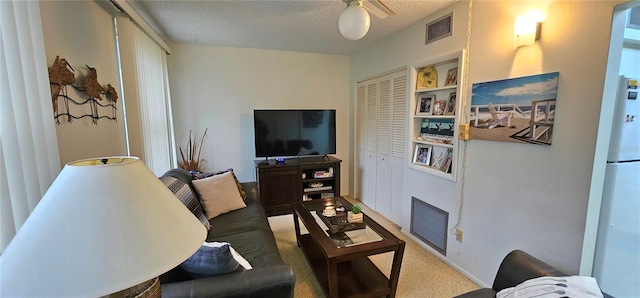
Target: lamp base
147, 289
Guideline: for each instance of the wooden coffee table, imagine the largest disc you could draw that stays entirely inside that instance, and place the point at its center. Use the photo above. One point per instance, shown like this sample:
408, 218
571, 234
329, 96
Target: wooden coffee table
340, 260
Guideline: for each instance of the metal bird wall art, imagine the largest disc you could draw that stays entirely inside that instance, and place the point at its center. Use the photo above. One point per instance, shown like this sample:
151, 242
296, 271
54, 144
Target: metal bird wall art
111, 93
61, 74
91, 85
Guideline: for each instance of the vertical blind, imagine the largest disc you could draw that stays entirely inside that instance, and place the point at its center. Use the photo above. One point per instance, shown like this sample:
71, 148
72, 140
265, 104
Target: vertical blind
28, 145
154, 102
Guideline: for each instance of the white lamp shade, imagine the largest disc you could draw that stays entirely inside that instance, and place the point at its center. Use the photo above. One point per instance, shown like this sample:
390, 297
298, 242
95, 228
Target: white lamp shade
100, 228
354, 22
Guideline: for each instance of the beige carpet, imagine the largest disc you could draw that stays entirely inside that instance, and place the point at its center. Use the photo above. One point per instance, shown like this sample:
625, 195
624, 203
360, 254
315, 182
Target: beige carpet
421, 275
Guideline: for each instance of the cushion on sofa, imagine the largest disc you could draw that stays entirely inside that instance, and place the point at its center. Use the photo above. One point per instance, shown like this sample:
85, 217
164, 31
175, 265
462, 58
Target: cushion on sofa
219, 194
258, 247
184, 193
554, 286
214, 258
241, 190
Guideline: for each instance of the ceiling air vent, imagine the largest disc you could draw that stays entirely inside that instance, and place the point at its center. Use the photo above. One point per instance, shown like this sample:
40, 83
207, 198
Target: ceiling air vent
634, 18
439, 28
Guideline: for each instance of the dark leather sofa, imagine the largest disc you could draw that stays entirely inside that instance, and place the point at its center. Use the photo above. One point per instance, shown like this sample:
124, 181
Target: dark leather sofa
517, 267
249, 233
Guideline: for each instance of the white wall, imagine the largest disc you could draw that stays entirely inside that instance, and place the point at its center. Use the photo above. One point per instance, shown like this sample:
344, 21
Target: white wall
219, 87
82, 33
530, 197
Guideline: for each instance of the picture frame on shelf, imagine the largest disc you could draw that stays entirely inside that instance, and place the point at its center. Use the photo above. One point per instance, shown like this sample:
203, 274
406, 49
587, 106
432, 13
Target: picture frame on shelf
424, 104
446, 163
422, 155
424, 126
452, 77
427, 78
451, 104
437, 130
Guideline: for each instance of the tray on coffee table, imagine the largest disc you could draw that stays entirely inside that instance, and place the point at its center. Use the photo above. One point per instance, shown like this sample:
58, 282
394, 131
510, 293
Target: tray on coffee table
338, 223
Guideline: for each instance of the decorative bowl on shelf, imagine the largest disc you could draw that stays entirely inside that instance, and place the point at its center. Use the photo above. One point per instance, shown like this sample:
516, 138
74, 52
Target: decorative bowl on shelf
439, 106
316, 184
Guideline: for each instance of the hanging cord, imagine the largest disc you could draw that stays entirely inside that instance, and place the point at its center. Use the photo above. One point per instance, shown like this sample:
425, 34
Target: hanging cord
465, 118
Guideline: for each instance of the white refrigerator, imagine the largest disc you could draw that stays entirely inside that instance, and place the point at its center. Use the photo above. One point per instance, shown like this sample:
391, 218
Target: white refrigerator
617, 259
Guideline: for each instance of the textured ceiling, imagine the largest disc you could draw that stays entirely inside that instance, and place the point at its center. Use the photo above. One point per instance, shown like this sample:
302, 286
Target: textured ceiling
288, 25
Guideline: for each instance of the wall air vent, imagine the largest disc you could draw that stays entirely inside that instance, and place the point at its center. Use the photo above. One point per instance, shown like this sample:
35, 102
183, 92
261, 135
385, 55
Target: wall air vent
633, 20
439, 28
429, 224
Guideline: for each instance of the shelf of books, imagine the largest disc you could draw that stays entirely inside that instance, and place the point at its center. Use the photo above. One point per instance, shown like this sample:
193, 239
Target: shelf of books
318, 182
436, 110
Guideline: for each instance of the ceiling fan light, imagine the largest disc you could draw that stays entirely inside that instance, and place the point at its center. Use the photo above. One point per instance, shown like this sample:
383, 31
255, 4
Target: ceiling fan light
354, 22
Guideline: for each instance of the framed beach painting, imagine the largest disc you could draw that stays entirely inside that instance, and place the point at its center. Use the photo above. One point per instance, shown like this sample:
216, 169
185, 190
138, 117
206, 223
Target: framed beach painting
519, 110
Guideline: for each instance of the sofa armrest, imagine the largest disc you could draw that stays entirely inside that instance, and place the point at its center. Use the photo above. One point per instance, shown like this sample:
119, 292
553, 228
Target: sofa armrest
272, 281
519, 266
479, 293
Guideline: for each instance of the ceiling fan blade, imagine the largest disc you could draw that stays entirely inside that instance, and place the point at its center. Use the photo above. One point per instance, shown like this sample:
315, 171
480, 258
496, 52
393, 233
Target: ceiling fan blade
378, 8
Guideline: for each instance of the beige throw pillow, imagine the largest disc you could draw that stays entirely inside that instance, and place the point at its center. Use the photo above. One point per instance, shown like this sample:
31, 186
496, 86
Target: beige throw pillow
219, 194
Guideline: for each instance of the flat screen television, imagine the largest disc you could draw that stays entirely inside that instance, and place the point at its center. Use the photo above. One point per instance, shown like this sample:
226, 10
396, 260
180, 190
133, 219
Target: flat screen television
287, 133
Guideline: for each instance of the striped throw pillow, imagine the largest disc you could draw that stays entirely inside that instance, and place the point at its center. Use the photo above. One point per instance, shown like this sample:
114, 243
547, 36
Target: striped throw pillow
183, 192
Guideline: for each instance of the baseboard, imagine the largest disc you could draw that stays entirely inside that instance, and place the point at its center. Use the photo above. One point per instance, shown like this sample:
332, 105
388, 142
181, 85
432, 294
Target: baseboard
445, 260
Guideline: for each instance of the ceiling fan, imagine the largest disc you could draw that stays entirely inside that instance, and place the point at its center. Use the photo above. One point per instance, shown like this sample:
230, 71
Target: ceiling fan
378, 8
355, 21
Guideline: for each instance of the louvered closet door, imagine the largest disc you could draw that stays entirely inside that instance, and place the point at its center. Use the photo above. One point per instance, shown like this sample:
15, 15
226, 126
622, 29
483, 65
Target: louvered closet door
383, 165
368, 195
399, 114
366, 139
391, 145
361, 136
381, 105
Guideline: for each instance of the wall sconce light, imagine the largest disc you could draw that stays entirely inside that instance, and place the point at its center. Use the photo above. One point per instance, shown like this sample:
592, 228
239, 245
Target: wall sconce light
354, 21
527, 29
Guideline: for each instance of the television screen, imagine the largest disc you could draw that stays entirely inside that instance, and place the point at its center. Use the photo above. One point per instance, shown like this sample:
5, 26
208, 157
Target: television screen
282, 133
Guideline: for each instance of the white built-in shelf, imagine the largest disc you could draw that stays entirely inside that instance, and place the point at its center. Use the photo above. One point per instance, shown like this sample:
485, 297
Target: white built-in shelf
435, 116
450, 87
438, 150
433, 143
